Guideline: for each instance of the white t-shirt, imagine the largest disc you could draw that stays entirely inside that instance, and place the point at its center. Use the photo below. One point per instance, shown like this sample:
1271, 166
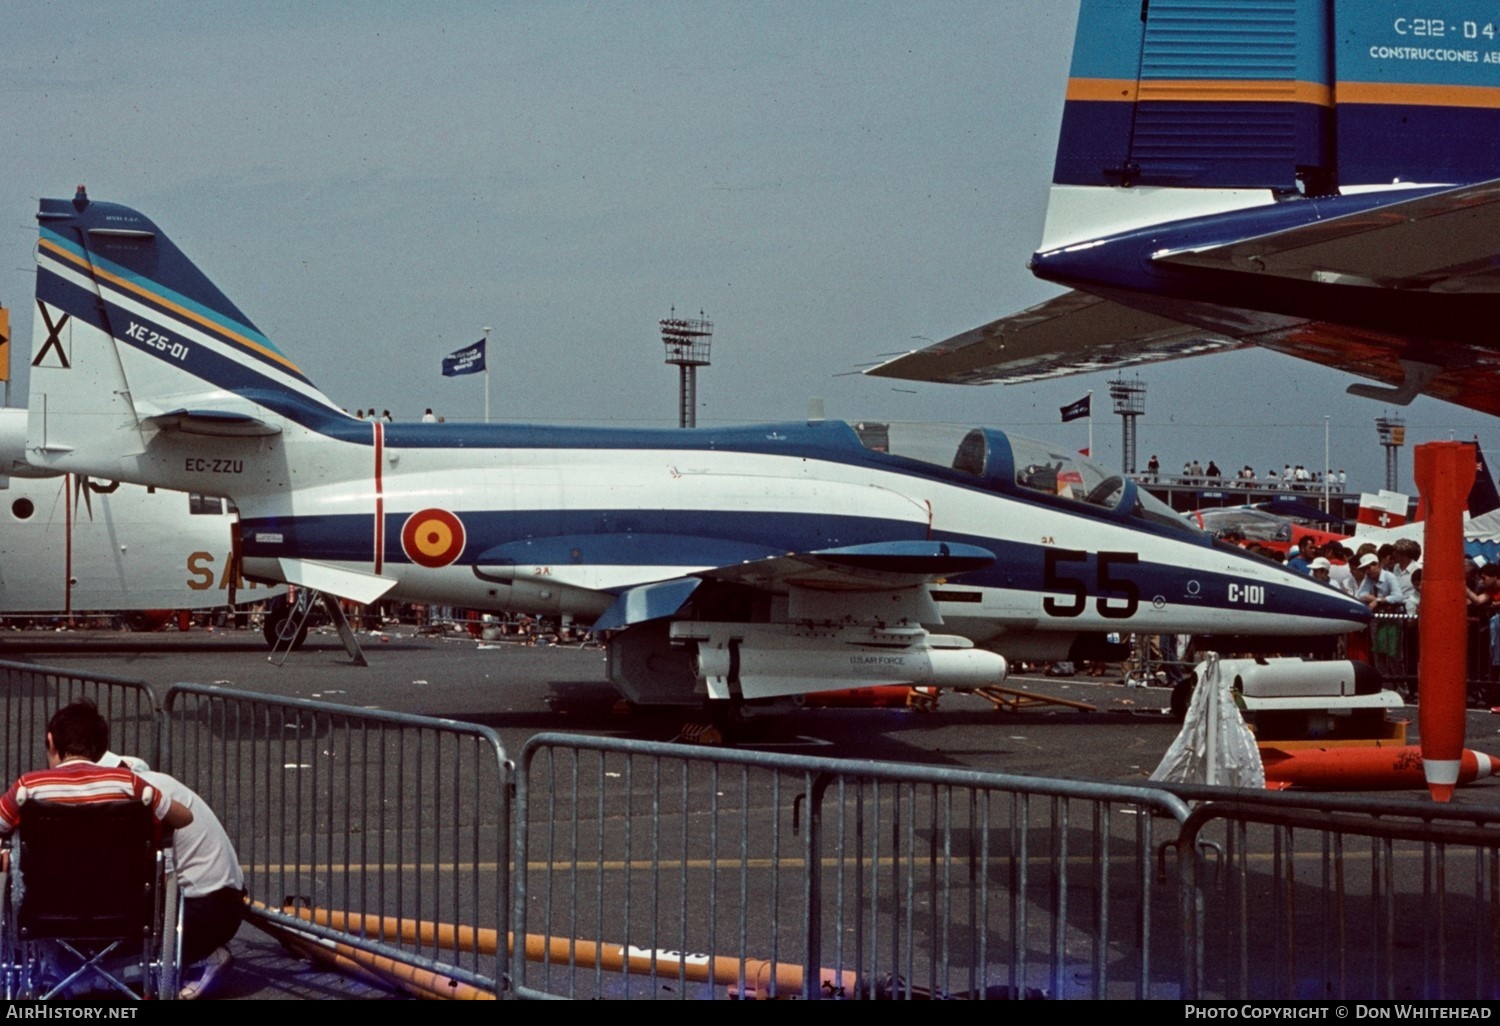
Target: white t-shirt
204, 855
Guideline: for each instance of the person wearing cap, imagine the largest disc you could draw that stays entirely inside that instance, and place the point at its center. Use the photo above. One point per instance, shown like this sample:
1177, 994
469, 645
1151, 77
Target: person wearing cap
208, 871
1320, 569
1300, 558
1374, 586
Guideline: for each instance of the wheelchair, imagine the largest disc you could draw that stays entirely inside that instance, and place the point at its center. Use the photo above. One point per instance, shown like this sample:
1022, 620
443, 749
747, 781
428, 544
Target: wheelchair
92, 904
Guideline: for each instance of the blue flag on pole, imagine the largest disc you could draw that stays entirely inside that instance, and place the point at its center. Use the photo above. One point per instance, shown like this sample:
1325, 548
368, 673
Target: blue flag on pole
468, 360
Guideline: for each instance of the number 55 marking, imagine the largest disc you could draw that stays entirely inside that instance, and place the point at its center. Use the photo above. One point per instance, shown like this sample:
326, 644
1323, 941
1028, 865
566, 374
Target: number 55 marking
1112, 589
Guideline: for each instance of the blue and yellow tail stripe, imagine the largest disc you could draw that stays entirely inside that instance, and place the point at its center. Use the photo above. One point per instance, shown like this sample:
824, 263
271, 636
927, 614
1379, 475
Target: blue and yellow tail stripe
241, 336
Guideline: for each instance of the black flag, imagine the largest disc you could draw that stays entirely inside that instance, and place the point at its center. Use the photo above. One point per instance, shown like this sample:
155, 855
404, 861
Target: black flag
1076, 411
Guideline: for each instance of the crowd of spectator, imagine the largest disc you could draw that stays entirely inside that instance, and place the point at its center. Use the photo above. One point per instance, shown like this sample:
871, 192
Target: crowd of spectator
1290, 478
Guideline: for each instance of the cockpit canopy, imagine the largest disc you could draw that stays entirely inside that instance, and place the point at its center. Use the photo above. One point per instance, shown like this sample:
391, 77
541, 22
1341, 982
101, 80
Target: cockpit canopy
1011, 463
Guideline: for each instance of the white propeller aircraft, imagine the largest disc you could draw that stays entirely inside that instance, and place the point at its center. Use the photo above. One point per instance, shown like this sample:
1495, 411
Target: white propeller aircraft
73, 544
734, 563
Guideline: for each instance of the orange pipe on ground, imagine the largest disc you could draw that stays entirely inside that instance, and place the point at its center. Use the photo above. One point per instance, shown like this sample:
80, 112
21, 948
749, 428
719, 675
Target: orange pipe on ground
1444, 472
377, 969
720, 970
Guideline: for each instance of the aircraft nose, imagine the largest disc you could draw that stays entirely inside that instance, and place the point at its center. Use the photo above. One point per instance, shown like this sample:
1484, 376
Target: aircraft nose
1326, 602
1346, 608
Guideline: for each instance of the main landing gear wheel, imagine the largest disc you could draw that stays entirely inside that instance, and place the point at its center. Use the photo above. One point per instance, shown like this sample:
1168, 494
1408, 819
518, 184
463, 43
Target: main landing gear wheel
278, 630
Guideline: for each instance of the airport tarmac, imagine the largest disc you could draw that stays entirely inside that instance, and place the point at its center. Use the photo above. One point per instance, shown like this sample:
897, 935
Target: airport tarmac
523, 690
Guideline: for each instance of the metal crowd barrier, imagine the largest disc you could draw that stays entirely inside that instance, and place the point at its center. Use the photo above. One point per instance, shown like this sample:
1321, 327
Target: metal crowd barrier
1313, 897
634, 869
378, 831
1394, 651
33, 693
653, 870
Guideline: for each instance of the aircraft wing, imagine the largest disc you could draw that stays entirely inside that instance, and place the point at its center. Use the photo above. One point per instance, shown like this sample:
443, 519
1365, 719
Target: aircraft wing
1442, 242
875, 567
1437, 245
880, 581
1076, 333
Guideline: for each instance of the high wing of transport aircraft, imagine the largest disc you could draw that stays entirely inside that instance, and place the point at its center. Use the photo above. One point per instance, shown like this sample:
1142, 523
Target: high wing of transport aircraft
737, 563
74, 544
1319, 178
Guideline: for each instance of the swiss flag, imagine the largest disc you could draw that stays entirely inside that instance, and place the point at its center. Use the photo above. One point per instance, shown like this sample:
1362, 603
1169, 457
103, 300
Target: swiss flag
1387, 509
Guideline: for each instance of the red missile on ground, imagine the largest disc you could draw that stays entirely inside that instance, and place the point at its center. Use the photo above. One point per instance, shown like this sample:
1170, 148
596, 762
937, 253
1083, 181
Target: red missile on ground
1361, 768
1444, 473
889, 696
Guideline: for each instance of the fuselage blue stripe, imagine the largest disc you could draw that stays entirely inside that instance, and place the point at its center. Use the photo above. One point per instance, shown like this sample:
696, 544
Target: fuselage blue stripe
701, 538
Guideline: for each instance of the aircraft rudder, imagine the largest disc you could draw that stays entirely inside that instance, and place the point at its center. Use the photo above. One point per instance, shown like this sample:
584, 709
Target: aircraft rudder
1179, 94
1100, 100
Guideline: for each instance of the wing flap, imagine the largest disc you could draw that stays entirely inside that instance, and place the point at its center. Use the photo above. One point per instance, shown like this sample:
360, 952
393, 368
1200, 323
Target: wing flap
1075, 333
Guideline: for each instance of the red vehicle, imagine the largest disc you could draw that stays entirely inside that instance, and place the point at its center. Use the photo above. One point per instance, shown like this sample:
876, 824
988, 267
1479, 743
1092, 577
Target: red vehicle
1275, 530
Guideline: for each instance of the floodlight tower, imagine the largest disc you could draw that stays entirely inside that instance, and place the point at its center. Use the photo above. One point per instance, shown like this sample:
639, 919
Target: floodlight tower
1129, 395
687, 342
1392, 432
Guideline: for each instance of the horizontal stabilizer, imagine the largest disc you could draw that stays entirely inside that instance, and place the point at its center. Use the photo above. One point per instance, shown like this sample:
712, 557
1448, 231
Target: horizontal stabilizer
879, 566
217, 423
1442, 242
1075, 333
334, 580
648, 602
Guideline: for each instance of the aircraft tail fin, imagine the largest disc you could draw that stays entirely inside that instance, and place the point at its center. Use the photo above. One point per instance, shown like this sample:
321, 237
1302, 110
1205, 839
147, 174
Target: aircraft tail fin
132, 338
1204, 100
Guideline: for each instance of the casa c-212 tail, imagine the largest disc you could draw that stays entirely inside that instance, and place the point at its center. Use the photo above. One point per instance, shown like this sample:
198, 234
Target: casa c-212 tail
1318, 178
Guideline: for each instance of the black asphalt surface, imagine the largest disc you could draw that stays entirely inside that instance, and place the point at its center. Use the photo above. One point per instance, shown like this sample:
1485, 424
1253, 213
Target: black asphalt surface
521, 690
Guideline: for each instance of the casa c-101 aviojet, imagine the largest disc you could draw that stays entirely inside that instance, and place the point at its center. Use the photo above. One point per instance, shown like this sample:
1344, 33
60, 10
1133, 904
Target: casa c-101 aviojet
737, 563
1320, 179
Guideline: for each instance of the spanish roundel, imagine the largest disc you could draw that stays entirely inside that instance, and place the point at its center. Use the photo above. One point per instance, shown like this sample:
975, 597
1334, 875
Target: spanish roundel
432, 537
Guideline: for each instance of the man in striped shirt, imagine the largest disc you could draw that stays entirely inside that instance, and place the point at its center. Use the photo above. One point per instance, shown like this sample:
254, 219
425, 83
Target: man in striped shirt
76, 735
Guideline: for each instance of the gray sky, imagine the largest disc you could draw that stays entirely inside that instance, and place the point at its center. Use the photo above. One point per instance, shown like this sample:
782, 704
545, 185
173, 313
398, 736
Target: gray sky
374, 183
